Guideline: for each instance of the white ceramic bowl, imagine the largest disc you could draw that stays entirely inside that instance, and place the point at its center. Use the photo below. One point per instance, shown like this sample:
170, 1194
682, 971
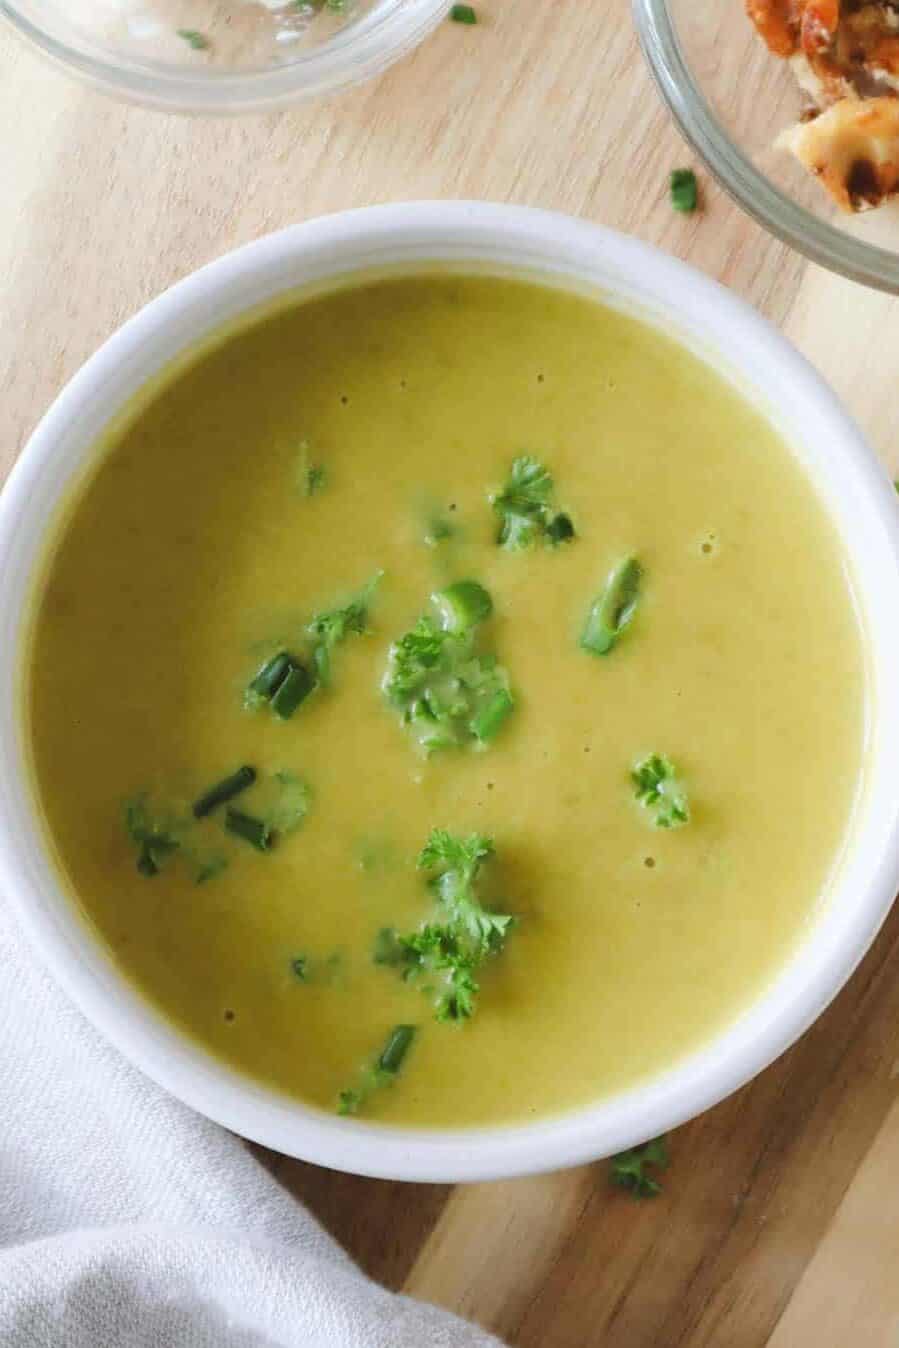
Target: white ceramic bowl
740, 344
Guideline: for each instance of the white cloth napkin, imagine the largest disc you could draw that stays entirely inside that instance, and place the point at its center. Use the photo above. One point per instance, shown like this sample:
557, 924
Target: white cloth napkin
127, 1221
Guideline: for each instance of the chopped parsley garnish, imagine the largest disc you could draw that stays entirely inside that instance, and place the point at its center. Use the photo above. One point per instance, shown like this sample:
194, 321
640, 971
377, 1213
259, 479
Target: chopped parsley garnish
449, 951
224, 791
308, 969
657, 788
449, 693
629, 1168
286, 680
291, 804
199, 41
334, 625
311, 477
684, 195
155, 836
439, 530
463, 14
382, 1072
613, 610
525, 511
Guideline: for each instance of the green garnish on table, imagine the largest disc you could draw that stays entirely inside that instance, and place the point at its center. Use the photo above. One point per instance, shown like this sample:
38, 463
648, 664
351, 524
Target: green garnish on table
194, 38
684, 192
463, 14
629, 1168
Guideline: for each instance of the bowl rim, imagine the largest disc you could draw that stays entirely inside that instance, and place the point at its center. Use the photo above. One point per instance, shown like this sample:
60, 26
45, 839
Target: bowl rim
467, 234
355, 53
776, 212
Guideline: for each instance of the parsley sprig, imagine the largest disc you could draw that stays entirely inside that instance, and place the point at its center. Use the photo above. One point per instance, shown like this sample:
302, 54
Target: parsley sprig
445, 955
629, 1168
525, 510
332, 626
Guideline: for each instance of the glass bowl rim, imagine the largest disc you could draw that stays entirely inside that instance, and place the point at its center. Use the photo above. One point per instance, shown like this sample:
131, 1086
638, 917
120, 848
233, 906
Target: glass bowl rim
356, 53
749, 188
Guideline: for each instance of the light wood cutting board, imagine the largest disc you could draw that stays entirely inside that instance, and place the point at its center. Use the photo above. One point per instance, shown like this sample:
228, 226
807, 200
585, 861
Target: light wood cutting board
780, 1221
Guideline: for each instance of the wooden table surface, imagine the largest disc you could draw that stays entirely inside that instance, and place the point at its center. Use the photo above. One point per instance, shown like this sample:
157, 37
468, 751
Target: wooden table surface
780, 1220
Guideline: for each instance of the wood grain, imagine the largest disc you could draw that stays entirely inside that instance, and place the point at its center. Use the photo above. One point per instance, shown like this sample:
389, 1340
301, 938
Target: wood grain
779, 1224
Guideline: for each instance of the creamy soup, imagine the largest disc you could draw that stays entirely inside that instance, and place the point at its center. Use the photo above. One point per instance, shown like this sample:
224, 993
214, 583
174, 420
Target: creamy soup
636, 725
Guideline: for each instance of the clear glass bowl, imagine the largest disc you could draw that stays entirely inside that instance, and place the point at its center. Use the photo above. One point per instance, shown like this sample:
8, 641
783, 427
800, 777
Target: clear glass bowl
220, 56
731, 97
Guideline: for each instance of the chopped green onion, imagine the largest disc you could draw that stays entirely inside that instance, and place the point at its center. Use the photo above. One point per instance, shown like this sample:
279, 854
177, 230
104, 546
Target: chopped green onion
300, 968
256, 832
224, 791
488, 720
463, 14
462, 605
396, 1048
683, 190
293, 689
381, 1073
613, 610
269, 678
199, 41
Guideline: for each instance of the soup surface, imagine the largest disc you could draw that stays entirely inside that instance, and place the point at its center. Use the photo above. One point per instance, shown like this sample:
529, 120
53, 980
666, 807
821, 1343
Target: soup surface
360, 435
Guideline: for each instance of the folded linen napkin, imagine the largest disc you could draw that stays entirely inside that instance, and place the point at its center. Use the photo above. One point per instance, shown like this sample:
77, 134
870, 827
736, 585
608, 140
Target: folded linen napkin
128, 1221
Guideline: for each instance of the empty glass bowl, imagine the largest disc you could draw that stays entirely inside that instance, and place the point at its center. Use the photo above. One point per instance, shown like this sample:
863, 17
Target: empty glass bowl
223, 55
731, 98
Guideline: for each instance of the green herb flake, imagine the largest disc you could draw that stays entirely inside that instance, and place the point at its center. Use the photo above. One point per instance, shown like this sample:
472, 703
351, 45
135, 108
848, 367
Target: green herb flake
382, 1072
656, 787
291, 806
439, 530
195, 39
445, 955
154, 835
525, 511
450, 693
684, 193
613, 610
628, 1169
310, 477
463, 14
332, 626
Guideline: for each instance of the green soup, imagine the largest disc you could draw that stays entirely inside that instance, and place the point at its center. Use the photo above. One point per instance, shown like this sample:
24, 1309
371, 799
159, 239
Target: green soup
666, 773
